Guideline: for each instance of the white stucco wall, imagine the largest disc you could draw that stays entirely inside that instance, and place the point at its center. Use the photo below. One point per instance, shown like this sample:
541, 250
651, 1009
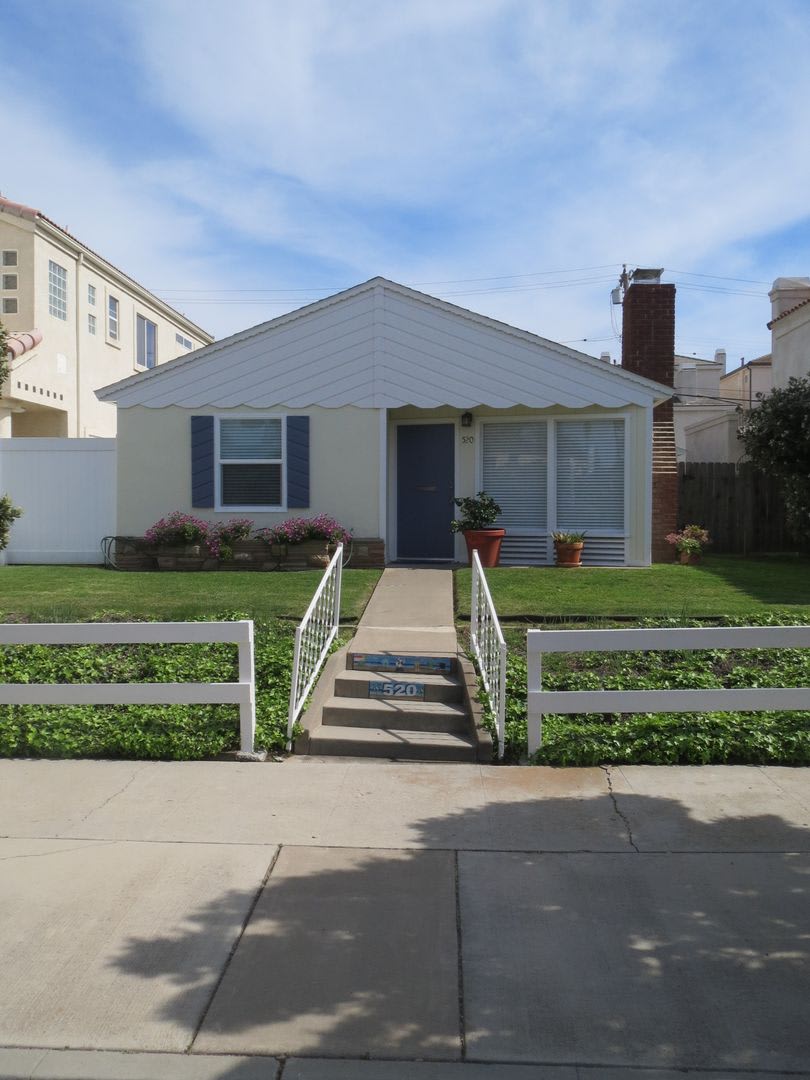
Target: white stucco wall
790, 346
154, 466
715, 439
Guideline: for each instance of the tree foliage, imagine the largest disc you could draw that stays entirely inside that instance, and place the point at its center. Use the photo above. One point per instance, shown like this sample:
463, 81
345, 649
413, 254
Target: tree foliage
776, 436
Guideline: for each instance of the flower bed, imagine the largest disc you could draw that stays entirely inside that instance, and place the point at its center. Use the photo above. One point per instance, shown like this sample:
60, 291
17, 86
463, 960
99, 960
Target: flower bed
182, 541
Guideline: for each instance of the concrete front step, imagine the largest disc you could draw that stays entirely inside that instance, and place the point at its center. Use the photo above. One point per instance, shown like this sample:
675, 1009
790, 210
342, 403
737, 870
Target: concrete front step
424, 716
355, 684
400, 745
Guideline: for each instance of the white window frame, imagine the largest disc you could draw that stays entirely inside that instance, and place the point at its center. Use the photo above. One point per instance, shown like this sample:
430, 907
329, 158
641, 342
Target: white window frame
57, 304
113, 339
11, 288
218, 463
10, 251
91, 324
91, 295
145, 366
551, 484
180, 339
7, 308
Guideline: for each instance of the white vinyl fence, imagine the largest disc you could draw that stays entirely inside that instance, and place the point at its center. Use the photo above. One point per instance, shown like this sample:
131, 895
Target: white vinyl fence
542, 701
66, 489
241, 693
313, 638
489, 647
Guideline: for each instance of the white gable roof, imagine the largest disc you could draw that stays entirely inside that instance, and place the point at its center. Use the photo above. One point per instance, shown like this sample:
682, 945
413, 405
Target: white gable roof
382, 345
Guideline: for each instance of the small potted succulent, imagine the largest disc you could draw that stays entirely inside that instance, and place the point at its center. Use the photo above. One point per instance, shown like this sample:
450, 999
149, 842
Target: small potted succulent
477, 522
689, 543
568, 548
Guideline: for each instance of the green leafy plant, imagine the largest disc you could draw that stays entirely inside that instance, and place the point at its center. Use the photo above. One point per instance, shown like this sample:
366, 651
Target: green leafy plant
691, 539
477, 512
776, 436
8, 515
775, 738
175, 732
568, 537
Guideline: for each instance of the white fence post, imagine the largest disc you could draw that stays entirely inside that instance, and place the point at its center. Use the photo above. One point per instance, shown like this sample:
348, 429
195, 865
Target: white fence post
313, 638
542, 701
489, 647
241, 693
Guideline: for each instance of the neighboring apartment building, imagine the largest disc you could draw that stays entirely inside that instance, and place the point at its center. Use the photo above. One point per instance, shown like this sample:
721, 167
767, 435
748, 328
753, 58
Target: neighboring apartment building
790, 329
75, 323
698, 395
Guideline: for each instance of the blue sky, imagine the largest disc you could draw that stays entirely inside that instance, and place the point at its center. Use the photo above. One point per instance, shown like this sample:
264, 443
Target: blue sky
243, 158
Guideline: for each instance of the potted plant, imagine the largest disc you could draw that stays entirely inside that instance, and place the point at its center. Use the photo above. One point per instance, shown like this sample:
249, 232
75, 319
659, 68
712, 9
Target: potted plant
305, 542
568, 548
689, 543
477, 522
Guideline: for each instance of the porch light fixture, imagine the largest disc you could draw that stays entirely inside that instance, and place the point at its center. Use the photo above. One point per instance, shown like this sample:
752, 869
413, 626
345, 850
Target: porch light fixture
466, 419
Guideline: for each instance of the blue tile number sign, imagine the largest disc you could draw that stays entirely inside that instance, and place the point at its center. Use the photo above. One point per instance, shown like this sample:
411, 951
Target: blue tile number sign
411, 690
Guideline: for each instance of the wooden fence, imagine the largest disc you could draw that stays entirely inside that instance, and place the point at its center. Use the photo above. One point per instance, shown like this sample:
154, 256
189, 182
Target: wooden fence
740, 506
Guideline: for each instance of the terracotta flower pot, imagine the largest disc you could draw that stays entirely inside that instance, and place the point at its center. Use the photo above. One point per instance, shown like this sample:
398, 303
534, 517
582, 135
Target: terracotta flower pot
689, 558
568, 554
487, 542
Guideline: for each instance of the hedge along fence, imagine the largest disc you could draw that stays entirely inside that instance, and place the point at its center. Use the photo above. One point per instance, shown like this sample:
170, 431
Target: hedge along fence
176, 732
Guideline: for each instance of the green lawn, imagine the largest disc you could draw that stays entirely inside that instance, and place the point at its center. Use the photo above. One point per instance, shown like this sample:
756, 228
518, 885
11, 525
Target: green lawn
75, 593
720, 585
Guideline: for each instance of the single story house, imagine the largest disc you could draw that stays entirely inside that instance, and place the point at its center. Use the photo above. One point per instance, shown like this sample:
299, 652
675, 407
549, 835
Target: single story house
378, 406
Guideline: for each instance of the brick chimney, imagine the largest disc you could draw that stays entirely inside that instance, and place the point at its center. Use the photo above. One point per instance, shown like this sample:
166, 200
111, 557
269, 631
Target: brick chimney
648, 349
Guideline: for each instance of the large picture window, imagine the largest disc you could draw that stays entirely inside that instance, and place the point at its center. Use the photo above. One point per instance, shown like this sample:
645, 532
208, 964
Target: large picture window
251, 463
560, 474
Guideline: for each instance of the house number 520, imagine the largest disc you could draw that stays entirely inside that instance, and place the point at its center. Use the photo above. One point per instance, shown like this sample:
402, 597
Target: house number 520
468, 438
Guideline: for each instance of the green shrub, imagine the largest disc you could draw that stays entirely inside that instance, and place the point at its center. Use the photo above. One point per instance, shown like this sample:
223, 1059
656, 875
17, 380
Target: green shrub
176, 732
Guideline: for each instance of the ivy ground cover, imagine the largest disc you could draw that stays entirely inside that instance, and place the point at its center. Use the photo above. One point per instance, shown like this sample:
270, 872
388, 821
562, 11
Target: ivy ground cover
738, 738
79, 594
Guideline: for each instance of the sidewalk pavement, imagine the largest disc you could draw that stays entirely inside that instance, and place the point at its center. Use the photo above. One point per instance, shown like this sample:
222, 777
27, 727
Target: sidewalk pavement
220, 921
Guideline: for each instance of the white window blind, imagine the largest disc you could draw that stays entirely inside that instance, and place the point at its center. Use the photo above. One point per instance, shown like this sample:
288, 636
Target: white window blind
251, 462
515, 467
590, 474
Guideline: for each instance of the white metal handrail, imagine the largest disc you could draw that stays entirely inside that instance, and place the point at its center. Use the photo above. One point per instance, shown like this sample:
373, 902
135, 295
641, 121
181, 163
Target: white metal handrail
542, 701
489, 647
313, 638
241, 693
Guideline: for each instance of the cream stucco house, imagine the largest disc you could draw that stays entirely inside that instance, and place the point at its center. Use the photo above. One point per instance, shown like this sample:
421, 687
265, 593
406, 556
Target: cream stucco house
380, 404
76, 323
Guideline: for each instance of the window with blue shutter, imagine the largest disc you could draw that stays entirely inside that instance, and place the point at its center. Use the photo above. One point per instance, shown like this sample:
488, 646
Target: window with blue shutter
247, 463
202, 461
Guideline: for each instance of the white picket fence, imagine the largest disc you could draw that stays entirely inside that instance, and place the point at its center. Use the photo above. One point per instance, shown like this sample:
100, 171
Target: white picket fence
241, 693
313, 638
489, 647
540, 701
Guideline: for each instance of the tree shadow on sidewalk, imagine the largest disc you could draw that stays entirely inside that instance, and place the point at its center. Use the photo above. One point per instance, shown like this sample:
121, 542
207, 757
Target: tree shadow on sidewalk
696, 957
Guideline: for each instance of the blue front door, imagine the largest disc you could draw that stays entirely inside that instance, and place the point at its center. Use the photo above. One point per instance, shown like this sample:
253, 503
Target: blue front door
425, 486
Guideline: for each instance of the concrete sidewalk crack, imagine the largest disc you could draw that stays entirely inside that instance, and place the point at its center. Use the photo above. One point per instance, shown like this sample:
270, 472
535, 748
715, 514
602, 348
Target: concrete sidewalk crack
58, 851
235, 946
462, 1022
115, 794
619, 813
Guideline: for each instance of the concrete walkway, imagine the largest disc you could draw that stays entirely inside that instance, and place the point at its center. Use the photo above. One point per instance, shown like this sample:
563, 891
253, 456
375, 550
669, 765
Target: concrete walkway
217, 921
410, 610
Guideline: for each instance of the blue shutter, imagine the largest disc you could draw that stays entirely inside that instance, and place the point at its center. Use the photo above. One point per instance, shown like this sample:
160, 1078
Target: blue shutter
202, 461
297, 461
